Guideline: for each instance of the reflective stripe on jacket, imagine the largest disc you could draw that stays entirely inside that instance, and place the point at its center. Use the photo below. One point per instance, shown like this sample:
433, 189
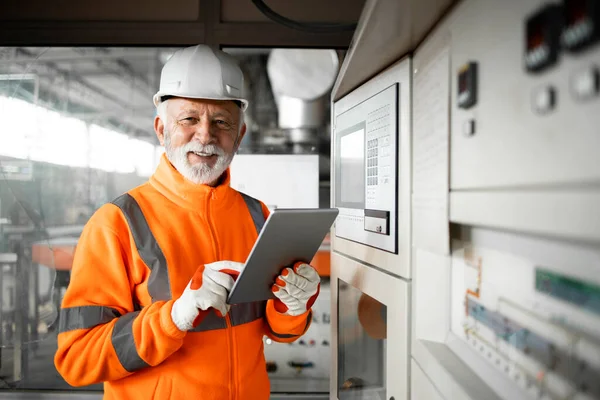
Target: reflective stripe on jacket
134, 258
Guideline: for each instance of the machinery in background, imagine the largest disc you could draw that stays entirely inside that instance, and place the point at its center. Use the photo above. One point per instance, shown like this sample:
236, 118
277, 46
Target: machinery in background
292, 181
370, 264
481, 257
534, 316
506, 203
34, 272
301, 80
303, 366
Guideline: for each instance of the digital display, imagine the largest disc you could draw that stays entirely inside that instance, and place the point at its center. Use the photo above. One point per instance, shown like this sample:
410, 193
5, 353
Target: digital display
535, 36
575, 11
352, 171
462, 82
542, 41
580, 28
467, 85
365, 167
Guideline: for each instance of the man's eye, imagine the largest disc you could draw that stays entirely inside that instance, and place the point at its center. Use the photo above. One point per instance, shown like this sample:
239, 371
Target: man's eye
188, 120
222, 124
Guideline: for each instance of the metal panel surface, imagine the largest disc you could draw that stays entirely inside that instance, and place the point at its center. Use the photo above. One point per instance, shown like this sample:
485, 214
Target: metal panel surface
397, 264
394, 294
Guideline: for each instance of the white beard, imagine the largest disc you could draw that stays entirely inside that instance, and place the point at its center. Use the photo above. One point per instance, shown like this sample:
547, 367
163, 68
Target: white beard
201, 174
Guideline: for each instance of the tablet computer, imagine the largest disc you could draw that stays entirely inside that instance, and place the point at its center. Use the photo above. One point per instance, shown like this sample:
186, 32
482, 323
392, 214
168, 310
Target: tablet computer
288, 236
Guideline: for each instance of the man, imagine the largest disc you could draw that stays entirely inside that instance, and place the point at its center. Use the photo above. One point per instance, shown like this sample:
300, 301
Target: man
145, 311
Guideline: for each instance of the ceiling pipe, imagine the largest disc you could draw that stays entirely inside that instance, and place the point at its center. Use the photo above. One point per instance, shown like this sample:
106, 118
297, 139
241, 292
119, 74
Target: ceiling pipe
25, 77
301, 80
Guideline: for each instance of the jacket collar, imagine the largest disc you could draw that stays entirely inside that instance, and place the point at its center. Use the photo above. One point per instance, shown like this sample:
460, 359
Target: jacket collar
170, 183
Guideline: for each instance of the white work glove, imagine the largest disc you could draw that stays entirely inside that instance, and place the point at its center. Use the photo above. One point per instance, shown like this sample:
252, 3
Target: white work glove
208, 288
296, 289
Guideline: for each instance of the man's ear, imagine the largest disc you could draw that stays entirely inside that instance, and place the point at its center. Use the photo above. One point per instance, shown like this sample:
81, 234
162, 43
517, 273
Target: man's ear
159, 128
240, 136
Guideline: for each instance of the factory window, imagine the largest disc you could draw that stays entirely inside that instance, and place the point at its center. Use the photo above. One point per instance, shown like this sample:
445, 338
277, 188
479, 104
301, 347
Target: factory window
76, 131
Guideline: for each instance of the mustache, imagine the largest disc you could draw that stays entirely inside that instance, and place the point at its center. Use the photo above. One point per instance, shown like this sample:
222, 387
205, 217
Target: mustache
200, 148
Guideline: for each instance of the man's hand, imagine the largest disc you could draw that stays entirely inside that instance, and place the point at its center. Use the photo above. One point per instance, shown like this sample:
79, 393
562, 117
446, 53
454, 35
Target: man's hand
296, 289
208, 288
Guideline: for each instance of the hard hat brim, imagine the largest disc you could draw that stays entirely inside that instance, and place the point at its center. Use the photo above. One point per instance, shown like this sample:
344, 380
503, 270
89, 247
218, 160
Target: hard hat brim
159, 95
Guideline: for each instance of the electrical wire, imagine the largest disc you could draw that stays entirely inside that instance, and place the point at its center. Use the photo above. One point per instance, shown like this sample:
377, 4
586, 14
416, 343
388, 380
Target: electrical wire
301, 26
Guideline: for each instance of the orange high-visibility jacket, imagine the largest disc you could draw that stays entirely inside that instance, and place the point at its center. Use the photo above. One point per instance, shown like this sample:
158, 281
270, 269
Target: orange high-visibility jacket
133, 260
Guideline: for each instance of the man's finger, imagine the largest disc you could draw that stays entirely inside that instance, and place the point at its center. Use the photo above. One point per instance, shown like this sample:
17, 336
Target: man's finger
306, 271
221, 279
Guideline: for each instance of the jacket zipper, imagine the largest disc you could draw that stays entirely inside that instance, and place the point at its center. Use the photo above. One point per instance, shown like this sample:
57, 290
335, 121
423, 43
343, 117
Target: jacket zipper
232, 378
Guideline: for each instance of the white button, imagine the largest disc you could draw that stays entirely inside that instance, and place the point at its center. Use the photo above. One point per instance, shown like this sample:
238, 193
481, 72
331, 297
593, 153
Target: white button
469, 127
544, 99
585, 83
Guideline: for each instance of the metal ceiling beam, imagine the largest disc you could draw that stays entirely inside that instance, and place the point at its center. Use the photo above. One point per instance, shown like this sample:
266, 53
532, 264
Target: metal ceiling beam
79, 93
52, 56
63, 88
111, 66
266, 34
171, 34
100, 33
78, 84
125, 69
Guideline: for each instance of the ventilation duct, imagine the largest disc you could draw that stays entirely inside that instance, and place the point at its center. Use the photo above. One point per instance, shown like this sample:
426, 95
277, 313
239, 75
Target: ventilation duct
301, 81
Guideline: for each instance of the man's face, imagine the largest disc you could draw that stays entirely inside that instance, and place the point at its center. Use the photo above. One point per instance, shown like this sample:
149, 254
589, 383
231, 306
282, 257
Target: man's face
200, 136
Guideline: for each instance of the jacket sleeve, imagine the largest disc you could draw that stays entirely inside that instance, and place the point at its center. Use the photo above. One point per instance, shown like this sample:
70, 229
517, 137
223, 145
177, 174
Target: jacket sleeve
284, 328
102, 337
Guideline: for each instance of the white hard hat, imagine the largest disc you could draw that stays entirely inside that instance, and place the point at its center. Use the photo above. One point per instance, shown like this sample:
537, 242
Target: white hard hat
198, 72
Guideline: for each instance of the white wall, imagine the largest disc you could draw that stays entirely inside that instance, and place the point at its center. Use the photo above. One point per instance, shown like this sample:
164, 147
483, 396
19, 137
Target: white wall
280, 181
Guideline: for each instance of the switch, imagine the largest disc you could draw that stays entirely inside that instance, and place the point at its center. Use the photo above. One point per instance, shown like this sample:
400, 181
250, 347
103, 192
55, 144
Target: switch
325, 343
469, 127
585, 83
542, 38
301, 364
271, 366
544, 99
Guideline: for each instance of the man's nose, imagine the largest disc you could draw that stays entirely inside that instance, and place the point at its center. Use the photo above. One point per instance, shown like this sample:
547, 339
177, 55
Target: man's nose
203, 132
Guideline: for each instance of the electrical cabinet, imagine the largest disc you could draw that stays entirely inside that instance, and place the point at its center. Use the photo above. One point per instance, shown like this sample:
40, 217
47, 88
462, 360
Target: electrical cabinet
371, 171
506, 294
535, 118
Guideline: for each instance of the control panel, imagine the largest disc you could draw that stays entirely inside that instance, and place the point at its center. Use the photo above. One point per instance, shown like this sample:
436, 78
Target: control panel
525, 94
308, 359
532, 312
523, 276
366, 162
